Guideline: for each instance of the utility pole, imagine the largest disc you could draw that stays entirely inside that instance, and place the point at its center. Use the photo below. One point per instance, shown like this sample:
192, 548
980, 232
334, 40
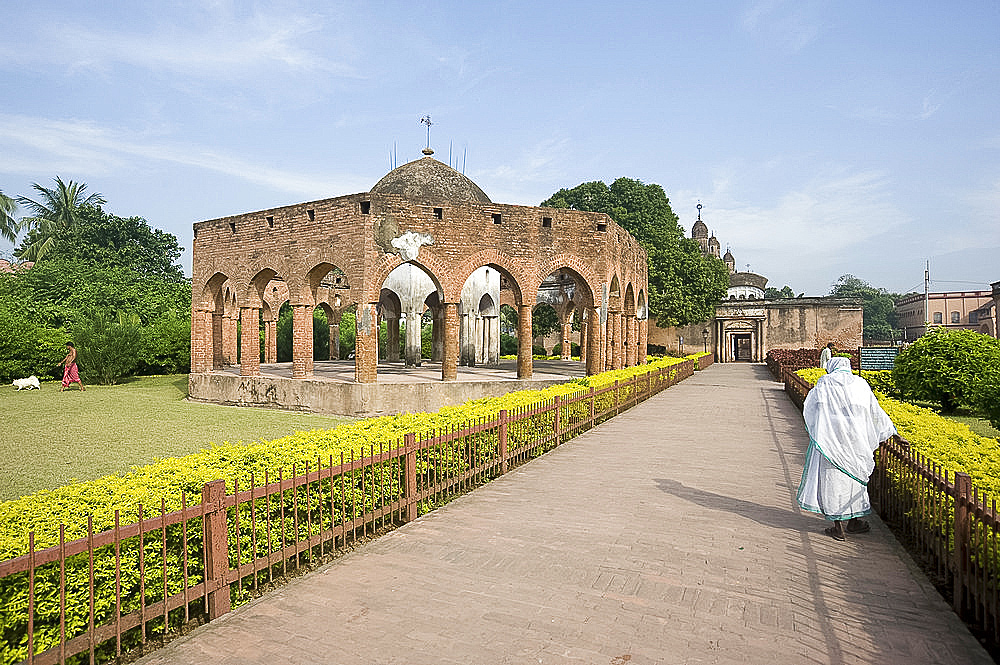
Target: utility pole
927, 297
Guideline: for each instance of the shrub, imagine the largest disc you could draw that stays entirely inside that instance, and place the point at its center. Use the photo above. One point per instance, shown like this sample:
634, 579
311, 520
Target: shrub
943, 365
508, 345
165, 346
28, 348
574, 350
106, 346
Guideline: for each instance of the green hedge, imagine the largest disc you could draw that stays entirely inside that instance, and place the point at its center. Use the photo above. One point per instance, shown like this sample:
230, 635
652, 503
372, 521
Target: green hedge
166, 480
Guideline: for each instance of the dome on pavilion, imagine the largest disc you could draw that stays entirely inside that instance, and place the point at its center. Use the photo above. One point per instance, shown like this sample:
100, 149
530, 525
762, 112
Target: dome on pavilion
430, 180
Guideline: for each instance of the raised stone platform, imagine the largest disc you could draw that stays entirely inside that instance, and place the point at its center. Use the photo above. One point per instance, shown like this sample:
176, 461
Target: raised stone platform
399, 389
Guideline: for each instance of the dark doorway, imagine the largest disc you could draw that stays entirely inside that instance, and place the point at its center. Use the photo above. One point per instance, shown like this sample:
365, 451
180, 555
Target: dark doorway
742, 348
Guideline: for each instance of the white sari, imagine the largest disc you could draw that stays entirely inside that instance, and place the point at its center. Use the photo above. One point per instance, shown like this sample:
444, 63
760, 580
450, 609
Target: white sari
845, 425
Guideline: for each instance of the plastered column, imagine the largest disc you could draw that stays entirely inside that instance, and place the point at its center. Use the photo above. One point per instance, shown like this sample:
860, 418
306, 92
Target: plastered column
584, 341
366, 344
524, 360
413, 341
449, 363
567, 345
249, 341
392, 340
302, 341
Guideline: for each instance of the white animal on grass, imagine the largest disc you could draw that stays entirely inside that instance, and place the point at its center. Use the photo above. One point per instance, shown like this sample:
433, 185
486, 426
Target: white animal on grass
26, 384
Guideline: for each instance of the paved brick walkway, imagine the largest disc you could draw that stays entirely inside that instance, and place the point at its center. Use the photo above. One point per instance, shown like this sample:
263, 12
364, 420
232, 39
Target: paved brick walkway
668, 535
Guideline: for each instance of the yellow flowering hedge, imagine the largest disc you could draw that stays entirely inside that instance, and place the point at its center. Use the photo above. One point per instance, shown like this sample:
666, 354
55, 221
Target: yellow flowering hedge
292, 513
949, 443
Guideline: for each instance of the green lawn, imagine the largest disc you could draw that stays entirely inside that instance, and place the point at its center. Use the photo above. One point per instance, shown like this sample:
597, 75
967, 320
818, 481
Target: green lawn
48, 438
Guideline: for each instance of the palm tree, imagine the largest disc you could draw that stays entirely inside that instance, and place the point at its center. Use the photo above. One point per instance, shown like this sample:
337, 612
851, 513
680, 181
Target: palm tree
57, 210
8, 225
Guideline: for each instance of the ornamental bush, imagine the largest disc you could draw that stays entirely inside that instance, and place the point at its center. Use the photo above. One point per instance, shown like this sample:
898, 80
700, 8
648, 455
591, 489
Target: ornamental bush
943, 366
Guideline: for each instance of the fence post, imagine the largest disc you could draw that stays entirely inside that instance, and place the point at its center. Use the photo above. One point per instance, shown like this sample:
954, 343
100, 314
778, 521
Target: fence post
558, 422
963, 493
502, 437
590, 405
216, 546
410, 476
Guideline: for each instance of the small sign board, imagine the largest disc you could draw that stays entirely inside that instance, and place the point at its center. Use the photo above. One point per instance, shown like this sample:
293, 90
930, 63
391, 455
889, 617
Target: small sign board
878, 357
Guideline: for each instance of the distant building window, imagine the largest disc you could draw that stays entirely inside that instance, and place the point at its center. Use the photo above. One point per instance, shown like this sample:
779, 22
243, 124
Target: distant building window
937, 317
270, 221
366, 207
547, 222
973, 317
438, 214
602, 227
497, 218
956, 317
312, 215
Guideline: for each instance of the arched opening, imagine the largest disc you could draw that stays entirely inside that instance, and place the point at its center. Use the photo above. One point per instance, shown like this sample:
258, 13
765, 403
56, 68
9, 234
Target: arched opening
479, 317
415, 290
544, 324
567, 295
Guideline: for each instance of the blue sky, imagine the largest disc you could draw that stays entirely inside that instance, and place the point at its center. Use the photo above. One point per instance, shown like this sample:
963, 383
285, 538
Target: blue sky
823, 138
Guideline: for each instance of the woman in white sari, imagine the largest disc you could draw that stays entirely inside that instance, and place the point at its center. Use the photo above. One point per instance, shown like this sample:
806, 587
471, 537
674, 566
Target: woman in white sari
845, 425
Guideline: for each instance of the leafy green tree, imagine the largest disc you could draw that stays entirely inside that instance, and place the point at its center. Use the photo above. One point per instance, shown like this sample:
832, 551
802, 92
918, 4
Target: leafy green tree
986, 393
684, 285
944, 366
771, 293
106, 346
878, 306
8, 225
107, 240
57, 209
544, 320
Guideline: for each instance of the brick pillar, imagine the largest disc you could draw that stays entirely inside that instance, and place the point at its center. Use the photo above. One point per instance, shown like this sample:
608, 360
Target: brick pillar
584, 342
567, 345
271, 341
302, 341
617, 361
437, 334
449, 363
392, 339
228, 339
524, 363
366, 344
334, 341
217, 341
642, 341
631, 335
201, 341
249, 341
593, 325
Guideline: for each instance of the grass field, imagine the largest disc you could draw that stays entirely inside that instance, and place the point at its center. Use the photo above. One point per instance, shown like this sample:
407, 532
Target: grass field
48, 438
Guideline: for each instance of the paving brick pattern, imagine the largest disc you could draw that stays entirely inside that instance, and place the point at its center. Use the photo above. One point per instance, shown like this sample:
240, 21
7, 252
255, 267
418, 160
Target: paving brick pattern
667, 535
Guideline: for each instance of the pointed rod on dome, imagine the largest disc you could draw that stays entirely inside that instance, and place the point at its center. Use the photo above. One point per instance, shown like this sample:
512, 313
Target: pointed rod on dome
699, 210
426, 120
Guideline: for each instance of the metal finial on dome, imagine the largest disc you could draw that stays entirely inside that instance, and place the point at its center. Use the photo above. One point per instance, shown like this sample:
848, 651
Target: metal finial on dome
426, 120
699, 210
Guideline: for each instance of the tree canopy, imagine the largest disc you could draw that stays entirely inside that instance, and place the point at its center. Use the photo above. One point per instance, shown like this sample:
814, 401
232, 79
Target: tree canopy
878, 305
684, 285
771, 293
8, 225
57, 209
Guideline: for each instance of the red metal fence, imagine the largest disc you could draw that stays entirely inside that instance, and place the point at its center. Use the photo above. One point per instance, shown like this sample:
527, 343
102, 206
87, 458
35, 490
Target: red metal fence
945, 522
93, 599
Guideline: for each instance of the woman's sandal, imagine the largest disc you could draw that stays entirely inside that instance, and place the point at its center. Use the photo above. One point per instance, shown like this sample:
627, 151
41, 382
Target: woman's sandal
835, 533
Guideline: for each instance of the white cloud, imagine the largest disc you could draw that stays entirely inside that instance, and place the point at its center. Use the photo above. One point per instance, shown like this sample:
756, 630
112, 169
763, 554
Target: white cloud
55, 146
210, 42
